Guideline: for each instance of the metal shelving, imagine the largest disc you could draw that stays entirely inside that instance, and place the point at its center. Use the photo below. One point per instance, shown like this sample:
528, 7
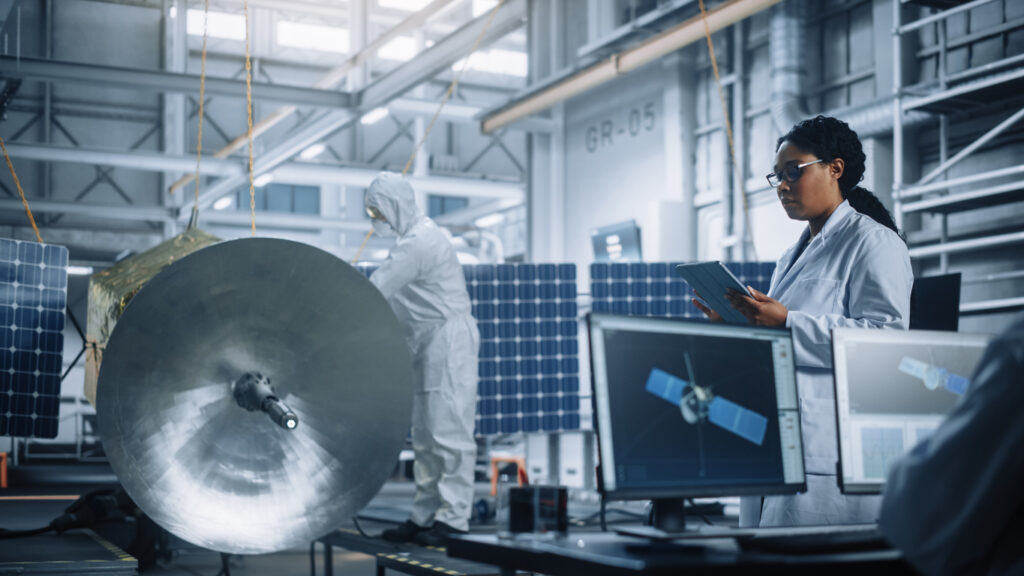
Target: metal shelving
983, 87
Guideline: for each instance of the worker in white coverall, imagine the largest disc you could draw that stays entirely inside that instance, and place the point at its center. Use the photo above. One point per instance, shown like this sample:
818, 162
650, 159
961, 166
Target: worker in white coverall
423, 282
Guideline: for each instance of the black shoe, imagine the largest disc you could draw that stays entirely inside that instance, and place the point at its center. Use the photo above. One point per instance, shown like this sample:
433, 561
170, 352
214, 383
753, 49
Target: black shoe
437, 535
406, 532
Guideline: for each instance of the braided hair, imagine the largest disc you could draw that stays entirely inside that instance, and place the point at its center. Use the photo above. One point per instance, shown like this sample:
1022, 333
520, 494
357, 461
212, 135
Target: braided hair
830, 138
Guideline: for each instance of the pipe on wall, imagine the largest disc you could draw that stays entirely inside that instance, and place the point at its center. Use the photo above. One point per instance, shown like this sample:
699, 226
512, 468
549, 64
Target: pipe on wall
787, 36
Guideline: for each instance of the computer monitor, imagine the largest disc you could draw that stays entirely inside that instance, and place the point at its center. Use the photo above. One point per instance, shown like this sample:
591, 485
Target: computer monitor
686, 409
893, 387
935, 303
617, 242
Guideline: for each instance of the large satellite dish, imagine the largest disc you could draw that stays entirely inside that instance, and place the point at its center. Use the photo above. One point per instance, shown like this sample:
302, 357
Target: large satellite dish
254, 395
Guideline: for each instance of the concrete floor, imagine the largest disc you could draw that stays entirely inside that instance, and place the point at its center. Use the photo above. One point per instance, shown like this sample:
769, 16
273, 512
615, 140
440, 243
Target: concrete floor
32, 507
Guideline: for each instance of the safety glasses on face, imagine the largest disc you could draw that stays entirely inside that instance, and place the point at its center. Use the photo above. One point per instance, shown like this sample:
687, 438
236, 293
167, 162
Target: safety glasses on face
373, 213
790, 173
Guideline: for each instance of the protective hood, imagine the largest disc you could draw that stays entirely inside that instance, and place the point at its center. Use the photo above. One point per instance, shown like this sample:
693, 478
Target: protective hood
393, 197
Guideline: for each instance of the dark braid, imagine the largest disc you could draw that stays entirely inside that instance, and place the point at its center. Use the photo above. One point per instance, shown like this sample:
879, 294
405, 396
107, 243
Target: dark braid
830, 138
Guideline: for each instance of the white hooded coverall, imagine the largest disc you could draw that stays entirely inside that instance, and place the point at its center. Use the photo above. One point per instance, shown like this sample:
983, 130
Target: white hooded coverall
423, 282
855, 273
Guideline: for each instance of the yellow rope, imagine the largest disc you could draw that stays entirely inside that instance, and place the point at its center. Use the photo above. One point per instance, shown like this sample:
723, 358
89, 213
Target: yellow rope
452, 86
202, 98
248, 106
728, 128
21, 192
362, 246
447, 95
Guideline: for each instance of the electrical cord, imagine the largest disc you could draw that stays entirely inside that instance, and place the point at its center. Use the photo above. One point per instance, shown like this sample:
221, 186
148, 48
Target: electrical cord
11, 534
355, 520
87, 511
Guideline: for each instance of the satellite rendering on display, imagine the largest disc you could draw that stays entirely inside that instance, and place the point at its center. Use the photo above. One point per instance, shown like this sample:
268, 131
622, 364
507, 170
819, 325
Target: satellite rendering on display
698, 405
933, 376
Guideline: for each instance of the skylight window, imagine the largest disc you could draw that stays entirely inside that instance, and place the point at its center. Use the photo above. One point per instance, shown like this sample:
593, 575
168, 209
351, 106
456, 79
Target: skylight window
402, 48
219, 25
481, 7
497, 61
407, 5
313, 37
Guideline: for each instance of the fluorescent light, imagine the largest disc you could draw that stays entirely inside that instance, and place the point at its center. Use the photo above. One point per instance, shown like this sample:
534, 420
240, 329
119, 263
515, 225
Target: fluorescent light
401, 49
223, 203
79, 270
263, 179
613, 239
373, 116
407, 5
489, 220
482, 6
219, 25
313, 151
497, 61
313, 37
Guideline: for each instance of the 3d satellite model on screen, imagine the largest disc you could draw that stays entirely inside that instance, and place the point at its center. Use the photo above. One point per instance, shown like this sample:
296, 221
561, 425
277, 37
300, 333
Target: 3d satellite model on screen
933, 376
698, 404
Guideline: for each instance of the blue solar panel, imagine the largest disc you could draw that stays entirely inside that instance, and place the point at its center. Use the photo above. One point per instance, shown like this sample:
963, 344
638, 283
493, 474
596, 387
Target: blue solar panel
529, 350
655, 289
33, 296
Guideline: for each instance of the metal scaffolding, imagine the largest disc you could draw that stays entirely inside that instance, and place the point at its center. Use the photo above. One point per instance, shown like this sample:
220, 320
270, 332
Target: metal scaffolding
935, 193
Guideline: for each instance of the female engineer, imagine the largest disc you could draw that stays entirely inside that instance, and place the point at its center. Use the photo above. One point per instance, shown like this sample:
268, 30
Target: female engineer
850, 268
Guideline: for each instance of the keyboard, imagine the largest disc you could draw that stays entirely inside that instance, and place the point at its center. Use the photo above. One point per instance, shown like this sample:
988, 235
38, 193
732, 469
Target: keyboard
825, 542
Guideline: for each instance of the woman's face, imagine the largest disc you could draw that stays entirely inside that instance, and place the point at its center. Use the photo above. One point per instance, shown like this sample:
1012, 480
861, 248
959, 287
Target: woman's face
816, 192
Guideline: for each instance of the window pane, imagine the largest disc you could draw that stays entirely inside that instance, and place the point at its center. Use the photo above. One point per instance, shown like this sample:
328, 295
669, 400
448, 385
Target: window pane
279, 197
307, 200
312, 37
219, 25
435, 206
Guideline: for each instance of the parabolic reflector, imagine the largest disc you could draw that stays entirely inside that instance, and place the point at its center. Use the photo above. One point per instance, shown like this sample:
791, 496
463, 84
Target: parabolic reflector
273, 312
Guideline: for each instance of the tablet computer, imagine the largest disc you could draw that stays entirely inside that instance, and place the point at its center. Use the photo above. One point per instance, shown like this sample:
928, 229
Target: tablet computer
712, 280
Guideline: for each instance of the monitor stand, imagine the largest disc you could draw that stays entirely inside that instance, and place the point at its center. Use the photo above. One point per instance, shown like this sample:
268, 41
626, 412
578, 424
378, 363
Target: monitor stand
669, 523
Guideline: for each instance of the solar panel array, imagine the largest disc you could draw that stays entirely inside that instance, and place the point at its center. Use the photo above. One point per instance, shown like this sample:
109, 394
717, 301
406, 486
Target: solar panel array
655, 289
33, 296
529, 350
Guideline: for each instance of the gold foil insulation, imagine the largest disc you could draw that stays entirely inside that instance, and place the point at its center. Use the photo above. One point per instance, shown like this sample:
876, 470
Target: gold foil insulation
111, 290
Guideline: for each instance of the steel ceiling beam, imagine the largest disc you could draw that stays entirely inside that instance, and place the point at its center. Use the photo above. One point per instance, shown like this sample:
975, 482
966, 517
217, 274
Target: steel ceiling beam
293, 172
163, 82
133, 159
414, 72
304, 173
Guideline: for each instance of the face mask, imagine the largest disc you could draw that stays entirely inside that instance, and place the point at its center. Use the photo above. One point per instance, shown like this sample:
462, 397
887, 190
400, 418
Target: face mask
383, 229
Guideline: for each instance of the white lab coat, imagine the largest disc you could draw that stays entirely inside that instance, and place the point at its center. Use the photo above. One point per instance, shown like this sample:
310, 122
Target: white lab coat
423, 281
955, 503
854, 273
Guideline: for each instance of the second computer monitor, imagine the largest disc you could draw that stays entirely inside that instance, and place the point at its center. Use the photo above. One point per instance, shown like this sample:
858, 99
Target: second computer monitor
687, 409
893, 388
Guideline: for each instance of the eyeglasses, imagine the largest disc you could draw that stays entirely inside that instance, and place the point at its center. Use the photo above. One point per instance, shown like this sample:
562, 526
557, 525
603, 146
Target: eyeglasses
374, 214
790, 173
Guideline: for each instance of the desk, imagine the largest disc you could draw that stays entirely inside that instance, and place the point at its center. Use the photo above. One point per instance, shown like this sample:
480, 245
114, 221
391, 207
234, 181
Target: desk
405, 558
613, 555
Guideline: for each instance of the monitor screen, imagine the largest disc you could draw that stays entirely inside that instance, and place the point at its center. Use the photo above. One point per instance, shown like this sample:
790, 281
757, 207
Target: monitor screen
893, 387
688, 408
935, 303
617, 242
